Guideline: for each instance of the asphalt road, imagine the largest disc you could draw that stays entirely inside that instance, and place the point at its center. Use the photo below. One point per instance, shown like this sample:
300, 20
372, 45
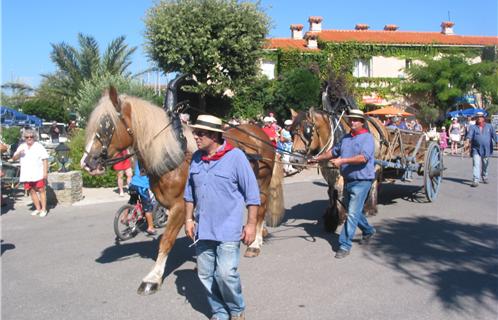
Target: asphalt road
429, 261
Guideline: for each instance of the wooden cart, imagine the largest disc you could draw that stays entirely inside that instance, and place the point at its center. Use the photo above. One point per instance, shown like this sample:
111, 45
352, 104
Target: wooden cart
409, 152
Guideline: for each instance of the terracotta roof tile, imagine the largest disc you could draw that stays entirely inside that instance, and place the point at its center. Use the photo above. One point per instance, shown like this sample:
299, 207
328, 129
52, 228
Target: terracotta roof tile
391, 37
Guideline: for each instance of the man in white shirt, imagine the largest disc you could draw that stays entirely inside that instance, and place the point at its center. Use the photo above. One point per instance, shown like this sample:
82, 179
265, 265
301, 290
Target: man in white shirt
34, 170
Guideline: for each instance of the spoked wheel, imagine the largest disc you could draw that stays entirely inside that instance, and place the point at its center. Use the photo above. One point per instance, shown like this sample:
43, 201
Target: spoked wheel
160, 214
433, 171
126, 222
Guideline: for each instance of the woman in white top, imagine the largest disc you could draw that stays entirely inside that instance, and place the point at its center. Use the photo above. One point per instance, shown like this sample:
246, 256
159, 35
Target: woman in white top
455, 134
34, 170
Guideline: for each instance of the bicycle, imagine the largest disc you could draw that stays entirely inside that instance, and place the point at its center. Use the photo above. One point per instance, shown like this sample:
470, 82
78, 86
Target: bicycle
130, 219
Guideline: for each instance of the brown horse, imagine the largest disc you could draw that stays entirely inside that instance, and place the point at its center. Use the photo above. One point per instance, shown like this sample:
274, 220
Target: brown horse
164, 148
316, 132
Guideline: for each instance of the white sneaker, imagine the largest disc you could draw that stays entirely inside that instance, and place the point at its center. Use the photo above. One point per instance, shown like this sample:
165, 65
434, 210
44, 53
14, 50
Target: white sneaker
121, 194
43, 213
35, 213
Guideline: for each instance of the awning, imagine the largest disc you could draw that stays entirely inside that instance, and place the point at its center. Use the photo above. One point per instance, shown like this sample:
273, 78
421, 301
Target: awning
389, 111
470, 112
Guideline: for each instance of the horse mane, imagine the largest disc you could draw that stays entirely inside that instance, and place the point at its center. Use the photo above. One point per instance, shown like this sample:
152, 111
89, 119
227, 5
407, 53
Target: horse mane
154, 138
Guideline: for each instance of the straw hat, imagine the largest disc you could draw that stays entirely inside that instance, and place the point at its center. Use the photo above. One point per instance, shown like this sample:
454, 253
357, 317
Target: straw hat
287, 122
355, 113
268, 119
207, 122
479, 114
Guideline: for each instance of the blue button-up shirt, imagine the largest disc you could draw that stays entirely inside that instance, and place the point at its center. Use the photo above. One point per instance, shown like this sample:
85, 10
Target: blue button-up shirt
482, 140
350, 146
219, 189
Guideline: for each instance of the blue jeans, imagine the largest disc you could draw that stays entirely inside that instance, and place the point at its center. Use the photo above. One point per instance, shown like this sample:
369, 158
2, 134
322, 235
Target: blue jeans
479, 162
355, 193
217, 264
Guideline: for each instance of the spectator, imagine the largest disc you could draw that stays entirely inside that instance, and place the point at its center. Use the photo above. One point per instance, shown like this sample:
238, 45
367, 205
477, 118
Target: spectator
417, 126
455, 132
285, 147
480, 138
123, 167
269, 129
139, 187
443, 139
34, 170
54, 132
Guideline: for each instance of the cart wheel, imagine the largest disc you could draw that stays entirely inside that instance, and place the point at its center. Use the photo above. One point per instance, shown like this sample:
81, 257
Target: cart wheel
433, 171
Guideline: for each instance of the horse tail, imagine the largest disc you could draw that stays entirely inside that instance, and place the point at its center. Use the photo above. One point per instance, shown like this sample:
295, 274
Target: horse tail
276, 210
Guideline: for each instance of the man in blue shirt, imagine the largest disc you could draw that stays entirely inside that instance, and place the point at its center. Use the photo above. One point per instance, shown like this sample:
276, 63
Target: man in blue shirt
481, 137
354, 155
219, 185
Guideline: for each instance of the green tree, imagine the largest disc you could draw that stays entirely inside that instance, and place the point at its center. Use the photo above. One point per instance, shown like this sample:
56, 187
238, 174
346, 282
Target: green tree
91, 90
440, 82
299, 89
19, 93
75, 65
218, 41
45, 109
251, 100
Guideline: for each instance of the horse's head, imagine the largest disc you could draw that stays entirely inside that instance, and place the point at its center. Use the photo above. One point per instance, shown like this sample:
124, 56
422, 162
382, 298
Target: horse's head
311, 131
108, 132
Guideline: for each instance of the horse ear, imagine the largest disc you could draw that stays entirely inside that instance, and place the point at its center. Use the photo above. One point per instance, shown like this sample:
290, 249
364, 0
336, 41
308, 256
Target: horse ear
293, 114
113, 95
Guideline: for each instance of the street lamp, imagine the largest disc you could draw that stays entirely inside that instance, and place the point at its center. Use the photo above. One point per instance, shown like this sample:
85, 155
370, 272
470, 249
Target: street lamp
62, 154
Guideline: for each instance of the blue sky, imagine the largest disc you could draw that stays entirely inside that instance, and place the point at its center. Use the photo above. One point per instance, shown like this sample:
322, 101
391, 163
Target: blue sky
30, 26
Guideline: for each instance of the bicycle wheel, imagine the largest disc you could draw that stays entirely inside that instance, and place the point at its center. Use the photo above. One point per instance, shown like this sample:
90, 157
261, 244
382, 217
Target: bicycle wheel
125, 222
160, 215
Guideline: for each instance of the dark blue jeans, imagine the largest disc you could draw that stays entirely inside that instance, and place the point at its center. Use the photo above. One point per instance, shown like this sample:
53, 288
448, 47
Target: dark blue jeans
355, 193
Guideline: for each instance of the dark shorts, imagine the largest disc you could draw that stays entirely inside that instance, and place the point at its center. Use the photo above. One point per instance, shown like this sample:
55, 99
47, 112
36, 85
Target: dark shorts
141, 193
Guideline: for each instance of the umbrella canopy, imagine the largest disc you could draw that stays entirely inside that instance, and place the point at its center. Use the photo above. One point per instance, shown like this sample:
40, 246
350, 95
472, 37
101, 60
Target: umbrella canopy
470, 112
389, 111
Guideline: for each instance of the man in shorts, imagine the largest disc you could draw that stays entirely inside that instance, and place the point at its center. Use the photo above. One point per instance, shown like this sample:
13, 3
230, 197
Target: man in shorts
34, 170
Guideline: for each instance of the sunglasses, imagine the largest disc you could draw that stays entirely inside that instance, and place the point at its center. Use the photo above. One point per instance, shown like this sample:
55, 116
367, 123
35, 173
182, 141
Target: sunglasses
200, 133
28, 137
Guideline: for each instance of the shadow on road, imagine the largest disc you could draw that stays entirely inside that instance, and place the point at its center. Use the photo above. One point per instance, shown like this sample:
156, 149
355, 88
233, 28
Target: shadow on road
7, 246
179, 254
189, 286
458, 261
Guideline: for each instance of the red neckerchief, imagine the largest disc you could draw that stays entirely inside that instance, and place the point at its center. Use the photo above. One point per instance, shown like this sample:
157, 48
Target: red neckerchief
358, 132
482, 124
219, 154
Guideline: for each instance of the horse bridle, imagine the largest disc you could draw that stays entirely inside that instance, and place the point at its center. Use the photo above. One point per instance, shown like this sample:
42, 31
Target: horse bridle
104, 135
306, 135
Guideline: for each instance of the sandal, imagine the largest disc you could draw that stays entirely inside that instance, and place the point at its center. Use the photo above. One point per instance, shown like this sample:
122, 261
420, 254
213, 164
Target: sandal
151, 232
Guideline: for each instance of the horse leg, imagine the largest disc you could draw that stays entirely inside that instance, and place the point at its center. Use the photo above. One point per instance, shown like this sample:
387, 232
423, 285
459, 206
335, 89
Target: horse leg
255, 248
370, 207
151, 282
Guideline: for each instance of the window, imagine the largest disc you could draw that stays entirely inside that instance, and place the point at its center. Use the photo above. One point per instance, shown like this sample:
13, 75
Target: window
268, 69
362, 68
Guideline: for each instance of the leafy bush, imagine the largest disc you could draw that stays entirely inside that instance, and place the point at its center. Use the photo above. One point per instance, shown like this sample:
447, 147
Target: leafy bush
91, 91
77, 146
45, 109
11, 135
251, 100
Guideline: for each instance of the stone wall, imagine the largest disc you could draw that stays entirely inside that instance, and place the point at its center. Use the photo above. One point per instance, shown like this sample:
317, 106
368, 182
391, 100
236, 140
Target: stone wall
64, 188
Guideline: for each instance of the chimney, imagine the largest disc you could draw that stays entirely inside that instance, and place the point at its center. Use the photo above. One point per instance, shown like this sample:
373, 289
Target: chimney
390, 27
312, 38
361, 26
315, 23
447, 27
296, 31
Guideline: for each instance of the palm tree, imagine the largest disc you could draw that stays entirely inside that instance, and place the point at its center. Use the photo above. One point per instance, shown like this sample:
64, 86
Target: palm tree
75, 65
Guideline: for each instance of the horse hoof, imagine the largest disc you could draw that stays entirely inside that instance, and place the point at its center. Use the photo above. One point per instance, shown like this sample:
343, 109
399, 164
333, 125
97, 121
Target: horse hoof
147, 288
252, 252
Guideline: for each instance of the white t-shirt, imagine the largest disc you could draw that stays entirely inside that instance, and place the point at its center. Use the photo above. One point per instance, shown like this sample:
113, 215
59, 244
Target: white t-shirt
32, 162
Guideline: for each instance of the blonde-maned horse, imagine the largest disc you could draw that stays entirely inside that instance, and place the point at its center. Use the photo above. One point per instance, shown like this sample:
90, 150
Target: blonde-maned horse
317, 131
164, 148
